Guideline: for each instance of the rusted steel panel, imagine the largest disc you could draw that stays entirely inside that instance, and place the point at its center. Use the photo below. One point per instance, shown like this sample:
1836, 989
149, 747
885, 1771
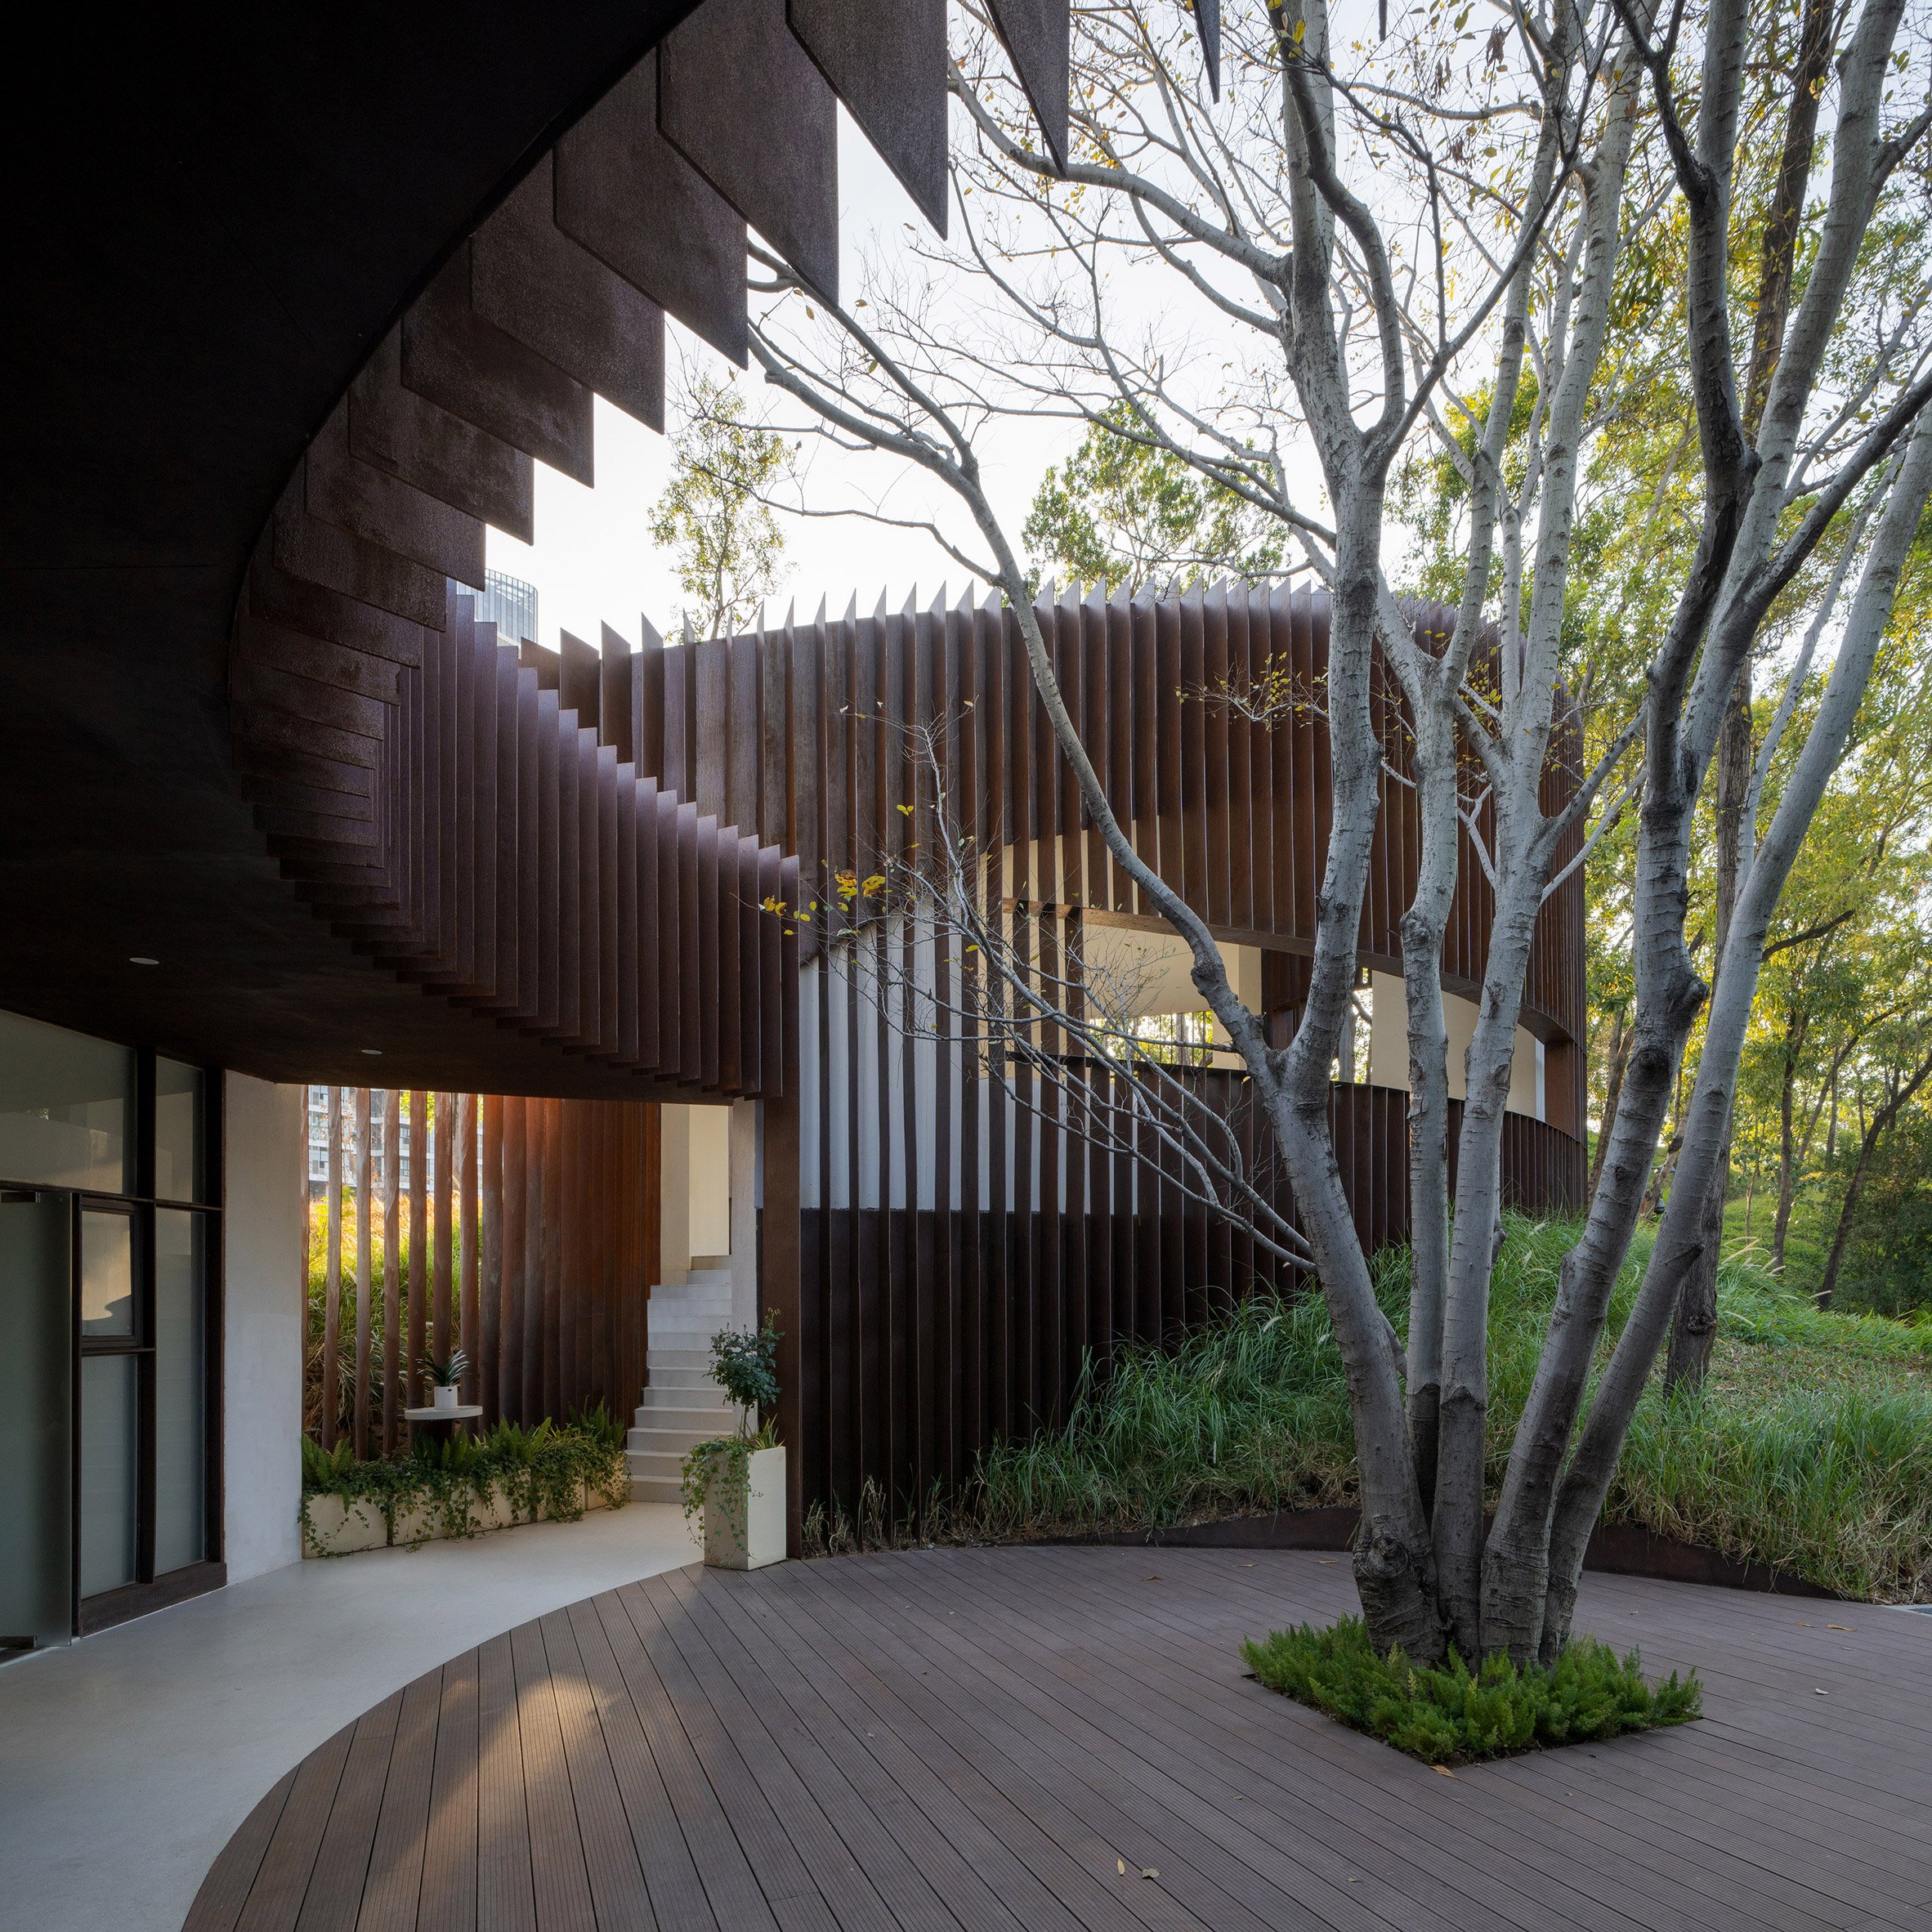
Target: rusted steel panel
485, 1285
263, 641
775, 86
418, 1324
351, 568
442, 455
626, 194
442, 1204
339, 488
466, 364
888, 64
393, 1238
1036, 33
534, 282
468, 1312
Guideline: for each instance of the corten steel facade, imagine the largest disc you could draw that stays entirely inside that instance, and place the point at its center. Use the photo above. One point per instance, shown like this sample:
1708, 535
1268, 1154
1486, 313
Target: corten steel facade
268, 396
639, 851
297, 300
943, 1255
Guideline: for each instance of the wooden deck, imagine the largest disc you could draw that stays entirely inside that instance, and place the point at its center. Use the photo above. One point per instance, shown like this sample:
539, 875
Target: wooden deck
1038, 1738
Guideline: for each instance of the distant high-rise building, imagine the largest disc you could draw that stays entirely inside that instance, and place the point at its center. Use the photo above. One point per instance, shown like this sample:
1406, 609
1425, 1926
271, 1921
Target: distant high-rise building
511, 605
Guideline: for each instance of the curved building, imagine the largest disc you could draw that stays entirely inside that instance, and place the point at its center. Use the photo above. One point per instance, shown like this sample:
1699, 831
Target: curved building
298, 305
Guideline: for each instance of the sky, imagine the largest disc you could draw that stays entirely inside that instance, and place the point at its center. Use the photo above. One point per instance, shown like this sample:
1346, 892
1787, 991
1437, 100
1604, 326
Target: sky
593, 561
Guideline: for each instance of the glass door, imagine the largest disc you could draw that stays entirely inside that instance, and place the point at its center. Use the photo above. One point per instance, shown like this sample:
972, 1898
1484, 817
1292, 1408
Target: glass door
116, 1385
110, 1500
36, 1419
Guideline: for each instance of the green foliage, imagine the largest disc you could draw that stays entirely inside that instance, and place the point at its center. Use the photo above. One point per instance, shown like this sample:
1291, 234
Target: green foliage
727, 1455
744, 1365
1123, 511
1811, 1449
711, 516
1247, 1411
545, 1471
1452, 1716
606, 1430
1888, 1265
445, 1371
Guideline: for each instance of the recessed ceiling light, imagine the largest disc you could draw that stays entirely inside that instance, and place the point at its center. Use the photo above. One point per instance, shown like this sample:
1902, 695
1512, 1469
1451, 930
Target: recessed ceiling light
141, 960
374, 1052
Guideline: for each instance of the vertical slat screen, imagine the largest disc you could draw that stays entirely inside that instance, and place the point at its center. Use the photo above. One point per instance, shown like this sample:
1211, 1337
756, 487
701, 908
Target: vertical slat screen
945, 1261
392, 1383
958, 1259
542, 1246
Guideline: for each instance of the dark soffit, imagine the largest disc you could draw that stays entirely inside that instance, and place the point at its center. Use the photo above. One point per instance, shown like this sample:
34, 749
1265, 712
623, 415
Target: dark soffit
213, 220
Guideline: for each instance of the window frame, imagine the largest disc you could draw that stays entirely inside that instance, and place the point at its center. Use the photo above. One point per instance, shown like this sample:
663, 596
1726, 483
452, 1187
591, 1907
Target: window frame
150, 1592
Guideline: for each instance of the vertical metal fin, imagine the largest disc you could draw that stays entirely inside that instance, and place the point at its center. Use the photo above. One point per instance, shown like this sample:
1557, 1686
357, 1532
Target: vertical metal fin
1036, 33
773, 91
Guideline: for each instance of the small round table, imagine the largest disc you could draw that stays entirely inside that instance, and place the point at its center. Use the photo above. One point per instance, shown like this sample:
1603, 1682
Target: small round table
439, 1425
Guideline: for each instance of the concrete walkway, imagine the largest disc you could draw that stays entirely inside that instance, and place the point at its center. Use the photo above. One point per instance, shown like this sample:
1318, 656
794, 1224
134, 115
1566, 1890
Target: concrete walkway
127, 1760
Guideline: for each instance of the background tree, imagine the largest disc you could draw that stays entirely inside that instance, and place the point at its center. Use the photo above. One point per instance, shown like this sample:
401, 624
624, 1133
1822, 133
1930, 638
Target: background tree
713, 516
1128, 512
1376, 234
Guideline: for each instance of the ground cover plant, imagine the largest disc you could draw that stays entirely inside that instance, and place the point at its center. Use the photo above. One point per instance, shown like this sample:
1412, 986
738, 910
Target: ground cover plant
1810, 1447
549, 1470
1451, 1715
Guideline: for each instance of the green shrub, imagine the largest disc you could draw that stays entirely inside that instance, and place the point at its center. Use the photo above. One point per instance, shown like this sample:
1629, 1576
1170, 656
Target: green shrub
544, 1471
1810, 1448
1452, 1716
1248, 1411
744, 1365
703, 1461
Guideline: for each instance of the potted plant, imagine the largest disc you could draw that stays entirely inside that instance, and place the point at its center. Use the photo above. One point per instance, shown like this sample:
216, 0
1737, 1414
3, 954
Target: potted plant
739, 1480
444, 1378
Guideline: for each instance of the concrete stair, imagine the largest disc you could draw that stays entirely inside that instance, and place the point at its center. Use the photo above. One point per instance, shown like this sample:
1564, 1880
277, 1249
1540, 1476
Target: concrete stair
682, 1406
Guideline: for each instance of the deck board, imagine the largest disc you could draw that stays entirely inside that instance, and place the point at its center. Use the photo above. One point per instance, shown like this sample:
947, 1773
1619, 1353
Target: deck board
978, 1740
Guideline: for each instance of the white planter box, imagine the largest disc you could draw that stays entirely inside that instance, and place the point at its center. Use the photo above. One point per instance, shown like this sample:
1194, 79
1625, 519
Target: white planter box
335, 1527
746, 1532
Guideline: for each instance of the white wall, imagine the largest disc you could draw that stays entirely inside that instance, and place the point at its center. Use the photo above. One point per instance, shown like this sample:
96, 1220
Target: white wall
674, 1191
265, 1154
742, 1207
696, 1198
1389, 1048
710, 1180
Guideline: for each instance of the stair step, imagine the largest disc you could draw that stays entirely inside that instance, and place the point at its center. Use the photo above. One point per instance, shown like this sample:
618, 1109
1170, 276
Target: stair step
710, 1421
708, 1400
678, 1361
661, 1465
655, 1489
680, 1378
720, 1421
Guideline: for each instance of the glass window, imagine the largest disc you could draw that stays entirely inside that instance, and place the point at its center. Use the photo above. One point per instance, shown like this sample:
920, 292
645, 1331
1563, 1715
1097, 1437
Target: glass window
179, 1360
66, 1108
180, 1169
110, 1429
107, 1272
